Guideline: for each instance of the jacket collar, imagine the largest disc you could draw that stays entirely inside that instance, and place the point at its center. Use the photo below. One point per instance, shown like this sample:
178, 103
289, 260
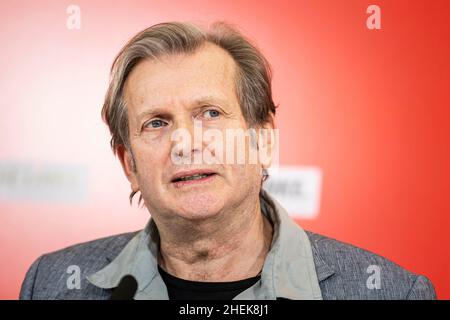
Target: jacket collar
323, 270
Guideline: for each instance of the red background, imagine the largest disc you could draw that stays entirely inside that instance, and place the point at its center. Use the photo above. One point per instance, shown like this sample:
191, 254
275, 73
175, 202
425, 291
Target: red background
369, 107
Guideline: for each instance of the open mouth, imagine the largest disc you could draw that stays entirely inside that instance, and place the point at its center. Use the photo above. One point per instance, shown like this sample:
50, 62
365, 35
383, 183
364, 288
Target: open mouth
194, 177
184, 179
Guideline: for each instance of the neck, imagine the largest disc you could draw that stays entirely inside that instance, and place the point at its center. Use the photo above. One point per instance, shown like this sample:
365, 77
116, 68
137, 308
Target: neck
213, 249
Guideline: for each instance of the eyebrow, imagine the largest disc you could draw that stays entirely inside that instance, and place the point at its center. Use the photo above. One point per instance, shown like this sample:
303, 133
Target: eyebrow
162, 110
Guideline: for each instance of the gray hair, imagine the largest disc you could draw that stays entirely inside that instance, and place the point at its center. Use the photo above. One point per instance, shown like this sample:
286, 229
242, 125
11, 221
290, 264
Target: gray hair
253, 79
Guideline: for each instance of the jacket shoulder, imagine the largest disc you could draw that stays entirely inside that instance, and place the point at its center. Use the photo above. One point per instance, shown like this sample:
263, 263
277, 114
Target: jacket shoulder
346, 271
55, 275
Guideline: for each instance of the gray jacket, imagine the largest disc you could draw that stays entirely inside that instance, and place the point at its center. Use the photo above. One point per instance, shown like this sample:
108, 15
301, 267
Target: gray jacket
299, 265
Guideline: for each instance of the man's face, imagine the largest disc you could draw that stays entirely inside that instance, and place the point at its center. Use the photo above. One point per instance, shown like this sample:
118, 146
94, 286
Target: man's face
183, 92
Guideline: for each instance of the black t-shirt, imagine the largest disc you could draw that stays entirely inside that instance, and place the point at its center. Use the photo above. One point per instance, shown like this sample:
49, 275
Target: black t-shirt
180, 289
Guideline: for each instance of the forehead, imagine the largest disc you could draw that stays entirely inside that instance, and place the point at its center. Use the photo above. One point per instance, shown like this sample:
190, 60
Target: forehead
182, 78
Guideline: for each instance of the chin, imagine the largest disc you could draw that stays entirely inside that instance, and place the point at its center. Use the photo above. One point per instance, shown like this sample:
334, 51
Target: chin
199, 205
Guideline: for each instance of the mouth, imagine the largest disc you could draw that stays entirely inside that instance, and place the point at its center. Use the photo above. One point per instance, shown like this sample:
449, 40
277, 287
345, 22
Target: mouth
192, 177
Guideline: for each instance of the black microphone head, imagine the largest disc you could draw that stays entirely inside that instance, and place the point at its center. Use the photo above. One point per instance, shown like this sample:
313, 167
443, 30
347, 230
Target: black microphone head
126, 289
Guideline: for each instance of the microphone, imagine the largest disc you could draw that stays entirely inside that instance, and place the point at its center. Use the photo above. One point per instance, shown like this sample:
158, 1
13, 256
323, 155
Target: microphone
126, 289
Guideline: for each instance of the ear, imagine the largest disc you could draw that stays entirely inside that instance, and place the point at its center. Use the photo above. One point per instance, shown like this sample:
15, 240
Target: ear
268, 143
128, 166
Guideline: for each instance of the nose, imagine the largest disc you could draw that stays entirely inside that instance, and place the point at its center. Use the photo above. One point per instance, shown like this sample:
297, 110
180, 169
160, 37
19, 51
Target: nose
186, 142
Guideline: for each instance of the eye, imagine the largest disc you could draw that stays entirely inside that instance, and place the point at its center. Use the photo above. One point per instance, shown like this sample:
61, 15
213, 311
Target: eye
211, 113
157, 123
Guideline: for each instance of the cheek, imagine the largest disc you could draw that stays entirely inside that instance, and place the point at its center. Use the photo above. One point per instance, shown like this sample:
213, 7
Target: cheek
150, 163
244, 176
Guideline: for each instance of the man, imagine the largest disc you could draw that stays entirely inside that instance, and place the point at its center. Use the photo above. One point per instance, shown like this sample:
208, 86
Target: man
214, 233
